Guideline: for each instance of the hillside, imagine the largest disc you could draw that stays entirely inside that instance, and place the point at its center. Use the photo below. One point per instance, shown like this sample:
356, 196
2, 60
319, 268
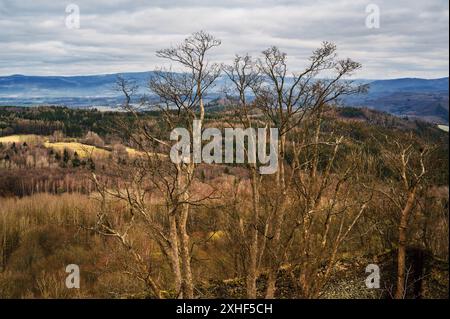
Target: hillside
417, 98
412, 97
50, 202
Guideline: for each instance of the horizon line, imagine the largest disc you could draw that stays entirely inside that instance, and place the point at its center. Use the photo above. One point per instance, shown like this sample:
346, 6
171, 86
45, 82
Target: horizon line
136, 72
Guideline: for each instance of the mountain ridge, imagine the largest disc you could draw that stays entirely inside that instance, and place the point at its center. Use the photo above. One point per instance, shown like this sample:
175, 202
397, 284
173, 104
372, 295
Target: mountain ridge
426, 99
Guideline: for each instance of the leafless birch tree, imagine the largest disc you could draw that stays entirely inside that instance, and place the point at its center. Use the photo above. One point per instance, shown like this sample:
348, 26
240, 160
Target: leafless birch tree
286, 98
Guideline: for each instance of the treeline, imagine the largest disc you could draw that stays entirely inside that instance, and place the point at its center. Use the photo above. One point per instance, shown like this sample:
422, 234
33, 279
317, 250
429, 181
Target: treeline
27, 169
47, 120
26, 182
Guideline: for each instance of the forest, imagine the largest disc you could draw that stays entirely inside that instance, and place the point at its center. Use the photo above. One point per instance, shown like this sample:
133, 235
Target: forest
353, 188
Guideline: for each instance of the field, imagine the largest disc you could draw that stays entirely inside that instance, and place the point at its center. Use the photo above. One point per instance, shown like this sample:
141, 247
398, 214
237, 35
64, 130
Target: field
24, 138
83, 150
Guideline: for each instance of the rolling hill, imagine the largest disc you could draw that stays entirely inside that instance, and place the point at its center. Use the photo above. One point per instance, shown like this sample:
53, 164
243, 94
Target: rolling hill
411, 97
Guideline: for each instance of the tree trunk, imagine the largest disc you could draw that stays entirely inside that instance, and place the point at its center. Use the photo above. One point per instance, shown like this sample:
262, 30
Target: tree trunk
174, 255
277, 224
402, 239
188, 290
253, 261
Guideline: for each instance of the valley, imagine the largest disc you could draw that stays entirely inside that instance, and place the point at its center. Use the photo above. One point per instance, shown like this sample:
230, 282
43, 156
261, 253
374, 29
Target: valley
52, 161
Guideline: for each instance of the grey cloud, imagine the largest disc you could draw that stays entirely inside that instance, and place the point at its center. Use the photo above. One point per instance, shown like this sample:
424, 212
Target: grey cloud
122, 35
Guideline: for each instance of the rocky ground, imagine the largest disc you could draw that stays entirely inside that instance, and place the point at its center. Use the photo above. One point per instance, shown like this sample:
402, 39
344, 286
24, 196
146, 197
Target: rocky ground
427, 278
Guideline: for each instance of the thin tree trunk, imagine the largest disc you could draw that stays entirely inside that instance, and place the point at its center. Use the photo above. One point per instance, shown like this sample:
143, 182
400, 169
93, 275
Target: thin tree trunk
188, 290
253, 262
402, 239
174, 255
277, 224
316, 144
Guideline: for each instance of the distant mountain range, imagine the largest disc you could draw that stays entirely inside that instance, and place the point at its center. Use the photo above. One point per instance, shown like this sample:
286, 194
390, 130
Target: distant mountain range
412, 97
29, 88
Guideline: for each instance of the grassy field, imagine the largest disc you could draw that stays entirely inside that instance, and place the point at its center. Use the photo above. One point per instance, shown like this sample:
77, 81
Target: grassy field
83, 150
28, 138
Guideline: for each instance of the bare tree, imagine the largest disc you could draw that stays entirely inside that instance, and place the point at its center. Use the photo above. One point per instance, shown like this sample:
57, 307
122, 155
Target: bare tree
185, 93
408, 162
245, 79
181, 100
286, 99
328, 204
132, 185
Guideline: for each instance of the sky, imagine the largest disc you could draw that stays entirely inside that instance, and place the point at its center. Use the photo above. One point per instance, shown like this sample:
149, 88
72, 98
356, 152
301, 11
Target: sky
38, 37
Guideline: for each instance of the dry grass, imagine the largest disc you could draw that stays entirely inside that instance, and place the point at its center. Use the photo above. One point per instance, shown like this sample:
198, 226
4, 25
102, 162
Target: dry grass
83, 150
28, 138
39, 236
41, 208
134, 153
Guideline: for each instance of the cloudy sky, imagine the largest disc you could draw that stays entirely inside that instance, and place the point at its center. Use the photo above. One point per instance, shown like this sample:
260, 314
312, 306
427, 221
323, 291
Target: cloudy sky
122, 35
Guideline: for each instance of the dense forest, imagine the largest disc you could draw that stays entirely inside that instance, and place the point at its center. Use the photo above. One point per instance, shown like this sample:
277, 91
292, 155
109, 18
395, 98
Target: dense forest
46, 120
